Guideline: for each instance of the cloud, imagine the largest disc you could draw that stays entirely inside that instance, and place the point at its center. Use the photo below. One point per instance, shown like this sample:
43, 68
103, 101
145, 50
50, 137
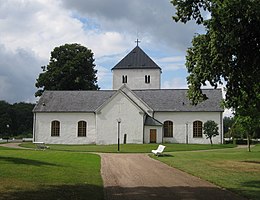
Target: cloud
31, 29
228, 113
171, 63
176, 83
151, 19
29, 32
104, 77
18, 71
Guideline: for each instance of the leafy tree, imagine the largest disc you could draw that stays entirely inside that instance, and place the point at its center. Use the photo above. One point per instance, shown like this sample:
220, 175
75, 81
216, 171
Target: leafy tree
5, 119
22, 118
247, 124
227, 124
228, 51
15, 119
71, 67
210, 129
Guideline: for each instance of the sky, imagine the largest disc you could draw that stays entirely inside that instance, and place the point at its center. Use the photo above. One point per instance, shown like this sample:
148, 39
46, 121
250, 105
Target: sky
31, 29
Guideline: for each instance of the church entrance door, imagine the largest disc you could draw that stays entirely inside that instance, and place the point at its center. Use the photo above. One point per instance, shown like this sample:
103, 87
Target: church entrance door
153, 135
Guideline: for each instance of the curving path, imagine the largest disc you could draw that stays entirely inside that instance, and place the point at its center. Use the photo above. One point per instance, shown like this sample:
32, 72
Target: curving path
137, 176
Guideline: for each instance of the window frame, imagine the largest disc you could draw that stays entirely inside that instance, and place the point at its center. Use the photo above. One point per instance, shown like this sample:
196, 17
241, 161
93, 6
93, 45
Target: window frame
197, 129
147, 79
55, 128
168, 125
82, 128
124, 78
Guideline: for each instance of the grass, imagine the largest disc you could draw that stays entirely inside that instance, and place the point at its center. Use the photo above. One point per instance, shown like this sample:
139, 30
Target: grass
130, 148
234, 169
30, 174
68, 172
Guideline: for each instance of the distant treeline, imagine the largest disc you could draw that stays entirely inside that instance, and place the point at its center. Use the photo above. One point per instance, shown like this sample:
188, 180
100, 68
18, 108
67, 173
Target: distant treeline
16, 119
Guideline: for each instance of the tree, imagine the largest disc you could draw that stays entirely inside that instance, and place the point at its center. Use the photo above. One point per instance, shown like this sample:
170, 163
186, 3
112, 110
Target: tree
228, 51
16, 119
71, 67
249, 122
5, 119
210, 129
248, 126
227, 124
22, 118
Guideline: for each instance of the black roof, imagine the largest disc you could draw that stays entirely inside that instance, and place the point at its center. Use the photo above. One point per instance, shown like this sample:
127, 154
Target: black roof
136, 59
160, 100
171, 100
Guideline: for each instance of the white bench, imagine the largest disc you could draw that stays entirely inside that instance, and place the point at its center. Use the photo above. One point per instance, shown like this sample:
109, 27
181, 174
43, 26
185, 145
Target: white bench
40, 145
159, 150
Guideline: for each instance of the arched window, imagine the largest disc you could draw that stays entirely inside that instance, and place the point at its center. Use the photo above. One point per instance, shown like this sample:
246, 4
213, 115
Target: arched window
55, 128
82, 129
197, 129
168, 129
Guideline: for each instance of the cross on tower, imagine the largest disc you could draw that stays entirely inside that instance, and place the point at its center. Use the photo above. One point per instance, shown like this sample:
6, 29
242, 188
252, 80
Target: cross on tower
137, 41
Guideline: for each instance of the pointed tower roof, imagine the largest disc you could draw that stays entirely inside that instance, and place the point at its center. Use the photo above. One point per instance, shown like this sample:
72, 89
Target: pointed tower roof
136, 59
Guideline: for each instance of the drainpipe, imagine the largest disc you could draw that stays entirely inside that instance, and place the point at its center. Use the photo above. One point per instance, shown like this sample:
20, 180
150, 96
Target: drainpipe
221, 128
34, 126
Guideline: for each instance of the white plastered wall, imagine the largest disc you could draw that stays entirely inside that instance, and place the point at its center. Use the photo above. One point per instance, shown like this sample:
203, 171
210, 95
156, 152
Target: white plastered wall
136, 78
183, 132
68, 128
131, 121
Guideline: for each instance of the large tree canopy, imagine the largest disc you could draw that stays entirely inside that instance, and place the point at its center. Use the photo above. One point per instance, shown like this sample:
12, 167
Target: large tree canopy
71, 67
228, 51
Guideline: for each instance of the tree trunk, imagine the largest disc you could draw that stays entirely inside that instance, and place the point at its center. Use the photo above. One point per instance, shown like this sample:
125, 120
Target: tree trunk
248, 142
210, 141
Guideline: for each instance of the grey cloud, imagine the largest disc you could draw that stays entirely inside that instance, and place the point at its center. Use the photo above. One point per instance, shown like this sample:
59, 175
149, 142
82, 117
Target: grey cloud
18, 71
151, 18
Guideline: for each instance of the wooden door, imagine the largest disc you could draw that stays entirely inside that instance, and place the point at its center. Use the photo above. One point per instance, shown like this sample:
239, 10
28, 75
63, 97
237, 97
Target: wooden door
152, 135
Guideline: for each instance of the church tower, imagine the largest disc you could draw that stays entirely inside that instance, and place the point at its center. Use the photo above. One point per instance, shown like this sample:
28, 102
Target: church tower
138, 71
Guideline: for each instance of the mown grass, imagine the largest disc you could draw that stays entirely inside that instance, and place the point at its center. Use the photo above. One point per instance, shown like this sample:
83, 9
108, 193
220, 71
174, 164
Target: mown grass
30, 174
130, 148
234, 169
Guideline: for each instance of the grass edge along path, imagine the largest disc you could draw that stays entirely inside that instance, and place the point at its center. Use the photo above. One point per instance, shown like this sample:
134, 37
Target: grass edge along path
130, 148
234, 169
30, 174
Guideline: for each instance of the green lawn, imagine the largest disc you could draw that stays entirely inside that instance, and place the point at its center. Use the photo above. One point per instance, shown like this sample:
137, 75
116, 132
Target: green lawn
68, 172
234, 169
30, 174
130, 148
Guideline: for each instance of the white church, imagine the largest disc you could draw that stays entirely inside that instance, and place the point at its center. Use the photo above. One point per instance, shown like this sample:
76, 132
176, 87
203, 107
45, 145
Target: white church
135, 111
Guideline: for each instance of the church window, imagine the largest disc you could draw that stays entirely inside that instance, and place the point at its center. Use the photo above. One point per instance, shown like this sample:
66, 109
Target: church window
55, 128
168, 129
147, 79
124, 79
82, 129
197, 129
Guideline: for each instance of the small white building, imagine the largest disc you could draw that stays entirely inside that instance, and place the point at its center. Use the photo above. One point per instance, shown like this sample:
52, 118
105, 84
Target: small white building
135, 111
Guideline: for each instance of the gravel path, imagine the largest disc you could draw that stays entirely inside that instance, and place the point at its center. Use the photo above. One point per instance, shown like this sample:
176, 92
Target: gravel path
137, 176
12, 145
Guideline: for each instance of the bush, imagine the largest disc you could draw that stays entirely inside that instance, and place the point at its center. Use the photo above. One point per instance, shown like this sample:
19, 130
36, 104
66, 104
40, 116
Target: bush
27, 135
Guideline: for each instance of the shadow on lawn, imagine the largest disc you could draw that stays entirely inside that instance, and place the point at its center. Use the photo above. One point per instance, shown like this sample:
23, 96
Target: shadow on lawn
251, 161
255, 184
93, 192
167, 193
25, 161
60, 192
